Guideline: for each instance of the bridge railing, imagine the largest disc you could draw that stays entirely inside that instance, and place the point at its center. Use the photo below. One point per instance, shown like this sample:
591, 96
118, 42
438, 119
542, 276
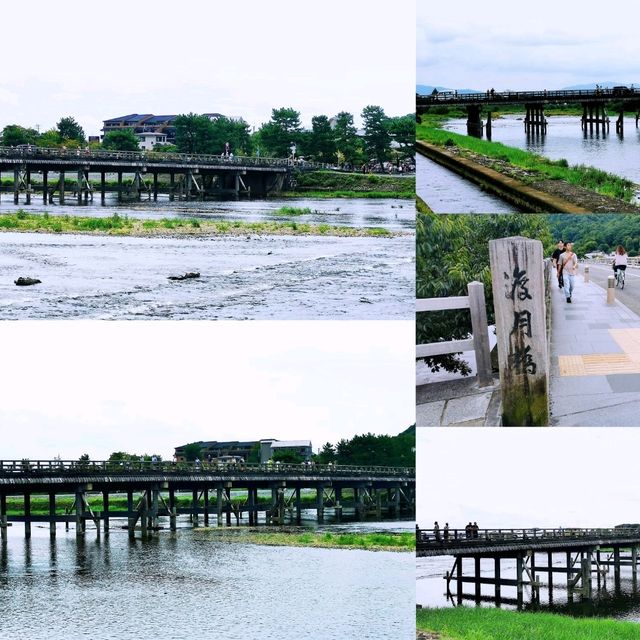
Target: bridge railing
15, 468
25, 152
469, 537
570, 95
475, 302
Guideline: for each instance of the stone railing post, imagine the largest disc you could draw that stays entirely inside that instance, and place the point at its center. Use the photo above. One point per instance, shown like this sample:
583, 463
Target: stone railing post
517, 274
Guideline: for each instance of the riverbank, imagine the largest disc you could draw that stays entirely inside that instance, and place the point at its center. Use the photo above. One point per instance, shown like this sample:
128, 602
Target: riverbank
365, 541
588, 188
331, 184
116, 225
466, 623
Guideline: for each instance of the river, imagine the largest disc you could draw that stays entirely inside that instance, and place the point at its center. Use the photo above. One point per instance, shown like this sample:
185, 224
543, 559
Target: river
246, 277
446, 192
189, 584
623, 604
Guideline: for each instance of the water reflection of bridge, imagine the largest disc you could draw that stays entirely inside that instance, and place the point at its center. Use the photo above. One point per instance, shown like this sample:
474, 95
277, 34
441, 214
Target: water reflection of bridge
579, 554
152, 490
189, 176
593, 101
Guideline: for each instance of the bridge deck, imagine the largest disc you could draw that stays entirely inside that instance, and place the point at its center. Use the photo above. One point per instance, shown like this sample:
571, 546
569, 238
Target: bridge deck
513, 542
625, 95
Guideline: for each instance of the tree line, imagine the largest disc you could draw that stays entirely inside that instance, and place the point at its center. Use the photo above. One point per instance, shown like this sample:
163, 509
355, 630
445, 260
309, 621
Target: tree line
331, 141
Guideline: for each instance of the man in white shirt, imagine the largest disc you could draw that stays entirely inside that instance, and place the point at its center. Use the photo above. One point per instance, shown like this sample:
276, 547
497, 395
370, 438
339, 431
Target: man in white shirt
568, 263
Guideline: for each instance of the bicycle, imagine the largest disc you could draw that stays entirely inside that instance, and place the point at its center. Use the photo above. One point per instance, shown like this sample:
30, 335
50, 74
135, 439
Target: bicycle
620, 278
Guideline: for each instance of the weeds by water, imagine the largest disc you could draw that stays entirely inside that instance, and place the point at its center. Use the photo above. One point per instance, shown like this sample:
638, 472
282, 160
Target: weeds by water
466, 623
293, 211
124, 226
367, 541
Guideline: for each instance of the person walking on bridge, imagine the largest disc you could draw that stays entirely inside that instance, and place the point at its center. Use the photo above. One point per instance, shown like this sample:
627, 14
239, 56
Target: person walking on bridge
569, 264
436, 531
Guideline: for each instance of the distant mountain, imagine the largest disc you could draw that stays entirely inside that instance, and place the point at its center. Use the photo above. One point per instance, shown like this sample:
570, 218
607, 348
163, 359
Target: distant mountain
427, 89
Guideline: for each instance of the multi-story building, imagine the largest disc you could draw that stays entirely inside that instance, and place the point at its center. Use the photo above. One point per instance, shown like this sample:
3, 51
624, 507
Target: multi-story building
213, 450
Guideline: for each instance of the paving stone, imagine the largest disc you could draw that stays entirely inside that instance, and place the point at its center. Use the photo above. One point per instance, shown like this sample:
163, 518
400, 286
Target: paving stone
428, 415
466, 409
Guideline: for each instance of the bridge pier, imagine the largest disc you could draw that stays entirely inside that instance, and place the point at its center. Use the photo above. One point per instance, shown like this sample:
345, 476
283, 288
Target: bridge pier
594, 114
194, 507
119, 186
488, 126
61, 186
45, 186
172, 510
16, 185
535, 121
102, 187
105, 511
620, 124
3, 517
320, 503
27, 174
155, 186
52, 514
474, 120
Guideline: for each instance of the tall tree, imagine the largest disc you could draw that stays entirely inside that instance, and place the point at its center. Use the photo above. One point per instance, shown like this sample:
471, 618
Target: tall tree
69, 129
14, 135
322, 143
403, 131
377, 139
194, 133
346, 137
282, 132
121, 140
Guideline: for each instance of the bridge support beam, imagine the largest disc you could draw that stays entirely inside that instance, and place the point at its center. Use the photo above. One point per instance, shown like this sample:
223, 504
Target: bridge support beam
61, 186
105, 511
16, 186
172, 186
594, 114
172, 510
45, 186
52, 514
496, 573
27, 174
474, 121
535, 121
3, 517
620, 124
320, 503
102, 187
119, 186
155, 186
298, 505
194, 507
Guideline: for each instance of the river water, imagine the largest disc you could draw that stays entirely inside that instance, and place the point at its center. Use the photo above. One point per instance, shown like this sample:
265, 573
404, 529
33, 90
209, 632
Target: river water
622, 603
446, 192
247, 277
188, 584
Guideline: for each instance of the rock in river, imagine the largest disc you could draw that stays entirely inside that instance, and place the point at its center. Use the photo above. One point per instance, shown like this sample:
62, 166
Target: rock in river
25, 282
186, 276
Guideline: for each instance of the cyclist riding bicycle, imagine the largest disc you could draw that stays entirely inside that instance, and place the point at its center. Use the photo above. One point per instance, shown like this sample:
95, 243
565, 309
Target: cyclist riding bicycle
619, 260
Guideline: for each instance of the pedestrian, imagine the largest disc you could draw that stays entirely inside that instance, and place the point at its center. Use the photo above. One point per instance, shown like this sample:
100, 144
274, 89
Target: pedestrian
475, 529
569, 264
436, 531
446, 531
468, 530
557, 252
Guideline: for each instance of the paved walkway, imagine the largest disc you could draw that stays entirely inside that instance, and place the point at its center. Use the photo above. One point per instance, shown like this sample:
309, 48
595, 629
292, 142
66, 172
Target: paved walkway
595, 360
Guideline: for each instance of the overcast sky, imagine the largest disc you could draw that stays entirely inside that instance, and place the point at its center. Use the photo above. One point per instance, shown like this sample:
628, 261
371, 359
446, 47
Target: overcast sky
102, 60
541, 45
98, 387
528, 477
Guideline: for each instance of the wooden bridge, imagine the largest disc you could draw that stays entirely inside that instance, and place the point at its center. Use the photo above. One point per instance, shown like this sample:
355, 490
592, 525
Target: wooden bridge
593, 101
152, 489
584, 552
189, 176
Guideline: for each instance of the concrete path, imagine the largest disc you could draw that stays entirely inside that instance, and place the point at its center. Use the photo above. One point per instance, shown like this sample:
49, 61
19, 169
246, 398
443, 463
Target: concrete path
595, 359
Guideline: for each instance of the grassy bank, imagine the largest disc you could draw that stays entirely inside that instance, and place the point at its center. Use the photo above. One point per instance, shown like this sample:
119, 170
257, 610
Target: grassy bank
587, 177
366, 541
329, 184
466, 623
124, 226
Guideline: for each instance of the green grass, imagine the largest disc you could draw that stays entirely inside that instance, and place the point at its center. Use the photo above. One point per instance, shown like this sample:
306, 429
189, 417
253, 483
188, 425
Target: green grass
366, 541
466, 623
293, 211
406, 194
581, 175
124, 226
